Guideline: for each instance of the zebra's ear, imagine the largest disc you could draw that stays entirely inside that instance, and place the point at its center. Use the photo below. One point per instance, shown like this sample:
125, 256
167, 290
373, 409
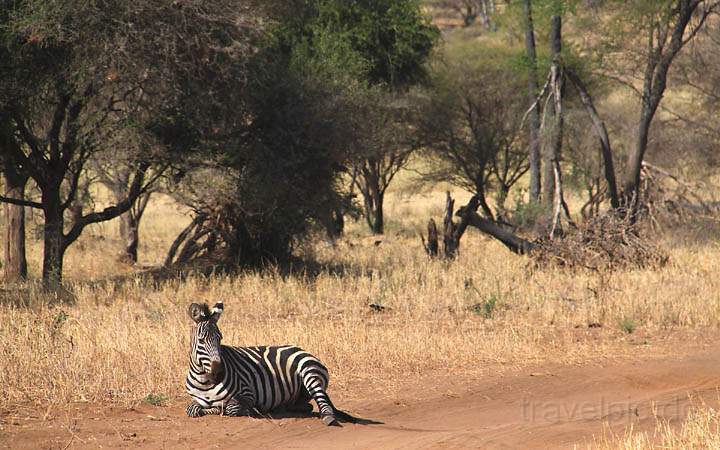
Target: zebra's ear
197, 313
216, 311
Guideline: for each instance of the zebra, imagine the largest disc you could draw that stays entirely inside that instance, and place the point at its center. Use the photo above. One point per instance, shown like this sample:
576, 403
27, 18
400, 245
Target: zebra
236, 381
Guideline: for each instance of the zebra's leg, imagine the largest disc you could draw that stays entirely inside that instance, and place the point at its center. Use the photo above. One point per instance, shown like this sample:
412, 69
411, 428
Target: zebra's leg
236, 407
316, 384
195, 410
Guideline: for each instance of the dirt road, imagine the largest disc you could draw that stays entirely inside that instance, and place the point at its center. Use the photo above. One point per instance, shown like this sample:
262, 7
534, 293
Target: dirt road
545, 407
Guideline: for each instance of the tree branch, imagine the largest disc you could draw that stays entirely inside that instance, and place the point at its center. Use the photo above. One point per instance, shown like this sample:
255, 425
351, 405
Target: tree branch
53, 136
74, 181
514, 243
15, 201
602, 134
34, 163
136, 189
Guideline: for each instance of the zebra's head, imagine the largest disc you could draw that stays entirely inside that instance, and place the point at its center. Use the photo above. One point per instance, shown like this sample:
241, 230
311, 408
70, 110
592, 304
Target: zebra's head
205, 340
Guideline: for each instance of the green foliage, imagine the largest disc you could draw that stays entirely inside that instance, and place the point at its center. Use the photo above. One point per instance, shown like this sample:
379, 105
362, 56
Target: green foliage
624, 26
486, 308
488, 304
374, 41
471, 119
511, 19
485, 56
627, 324
542, 11
58, 321
259, 107
526, 214
155, 399
280, 165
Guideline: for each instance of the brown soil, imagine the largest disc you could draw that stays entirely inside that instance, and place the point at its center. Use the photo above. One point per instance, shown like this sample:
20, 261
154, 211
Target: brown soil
542, 407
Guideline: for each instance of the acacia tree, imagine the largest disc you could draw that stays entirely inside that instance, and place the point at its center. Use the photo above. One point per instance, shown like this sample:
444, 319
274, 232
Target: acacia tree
278, 166
698, 74
276, 174
472, 127
385, 146
387, 43
76, 66
372, 177
666, 28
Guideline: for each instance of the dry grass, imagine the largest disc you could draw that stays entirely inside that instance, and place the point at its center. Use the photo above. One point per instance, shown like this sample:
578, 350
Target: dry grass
701, 430
123, 339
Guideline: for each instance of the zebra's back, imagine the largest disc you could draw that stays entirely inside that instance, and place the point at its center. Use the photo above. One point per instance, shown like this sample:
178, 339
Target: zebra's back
270, 375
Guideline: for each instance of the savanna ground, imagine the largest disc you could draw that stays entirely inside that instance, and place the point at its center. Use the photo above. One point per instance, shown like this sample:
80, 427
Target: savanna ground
486, 351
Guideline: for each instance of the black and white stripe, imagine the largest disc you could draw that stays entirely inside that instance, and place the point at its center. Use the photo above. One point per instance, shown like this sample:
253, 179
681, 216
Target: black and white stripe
236, 381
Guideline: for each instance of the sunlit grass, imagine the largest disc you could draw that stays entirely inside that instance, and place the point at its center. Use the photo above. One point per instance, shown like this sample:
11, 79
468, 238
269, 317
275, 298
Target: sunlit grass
124, 337
699, 431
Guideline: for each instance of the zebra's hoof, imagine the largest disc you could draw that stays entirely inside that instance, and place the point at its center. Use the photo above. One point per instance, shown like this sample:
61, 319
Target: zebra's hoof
330, 421
195, 411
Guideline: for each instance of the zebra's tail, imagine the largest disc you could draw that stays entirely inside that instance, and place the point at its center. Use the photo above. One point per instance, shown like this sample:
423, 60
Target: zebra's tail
345, 417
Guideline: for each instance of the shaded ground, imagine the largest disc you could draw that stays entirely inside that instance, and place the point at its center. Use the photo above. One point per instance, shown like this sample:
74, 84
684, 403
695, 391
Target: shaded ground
542, 407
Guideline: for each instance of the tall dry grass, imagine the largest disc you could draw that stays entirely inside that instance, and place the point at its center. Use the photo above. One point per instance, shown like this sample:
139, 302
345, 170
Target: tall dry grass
124, 336
699, 431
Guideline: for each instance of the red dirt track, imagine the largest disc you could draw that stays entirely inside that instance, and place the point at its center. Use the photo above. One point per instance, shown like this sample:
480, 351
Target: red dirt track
546, 407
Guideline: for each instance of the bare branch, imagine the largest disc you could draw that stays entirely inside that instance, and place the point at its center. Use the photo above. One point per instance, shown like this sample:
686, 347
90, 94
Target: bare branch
136, 189
602, 134
15, 201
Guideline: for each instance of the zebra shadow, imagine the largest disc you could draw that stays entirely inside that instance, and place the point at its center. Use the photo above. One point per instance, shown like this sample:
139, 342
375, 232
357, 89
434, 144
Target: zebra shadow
341, 416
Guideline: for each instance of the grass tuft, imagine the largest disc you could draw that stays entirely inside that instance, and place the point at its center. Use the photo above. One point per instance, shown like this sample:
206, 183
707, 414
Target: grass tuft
155, 399
627, 324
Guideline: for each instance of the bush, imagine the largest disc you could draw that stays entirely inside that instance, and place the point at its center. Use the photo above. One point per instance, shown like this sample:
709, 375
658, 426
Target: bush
627, 324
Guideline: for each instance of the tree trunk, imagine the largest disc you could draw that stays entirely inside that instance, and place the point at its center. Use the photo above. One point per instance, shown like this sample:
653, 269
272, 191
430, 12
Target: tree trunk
14, 261
534, 117
602, 133
555, 147
452, 232
514, 243
194, 226
661, 54
548, 181
431, 246
130, 237
338, 219
451, 240
482, 200
378, 221
500, 199
485, 14
373, 195
334, 223
130, 226
631, 187
469, 15
54, 245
